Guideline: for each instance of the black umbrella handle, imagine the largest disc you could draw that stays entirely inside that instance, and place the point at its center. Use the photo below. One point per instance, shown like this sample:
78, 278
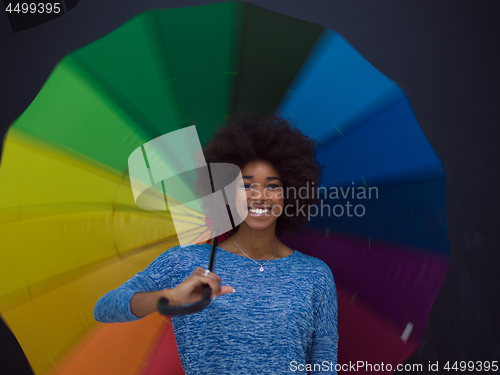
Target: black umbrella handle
165, 309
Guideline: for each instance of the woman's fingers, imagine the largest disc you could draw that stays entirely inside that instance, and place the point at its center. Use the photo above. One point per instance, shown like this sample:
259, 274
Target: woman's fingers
197, 278
204, 276
225, 289
199, 271
213, 282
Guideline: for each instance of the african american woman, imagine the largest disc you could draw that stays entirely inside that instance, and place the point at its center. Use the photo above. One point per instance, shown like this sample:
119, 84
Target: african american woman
276, 312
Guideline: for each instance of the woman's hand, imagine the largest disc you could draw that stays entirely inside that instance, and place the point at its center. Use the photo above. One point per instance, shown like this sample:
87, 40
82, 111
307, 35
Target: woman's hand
190, 290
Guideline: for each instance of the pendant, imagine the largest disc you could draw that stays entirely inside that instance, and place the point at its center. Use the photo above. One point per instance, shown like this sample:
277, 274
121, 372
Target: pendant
261, 269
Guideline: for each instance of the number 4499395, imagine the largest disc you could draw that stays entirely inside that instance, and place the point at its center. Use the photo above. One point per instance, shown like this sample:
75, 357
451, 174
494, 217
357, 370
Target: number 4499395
33, 8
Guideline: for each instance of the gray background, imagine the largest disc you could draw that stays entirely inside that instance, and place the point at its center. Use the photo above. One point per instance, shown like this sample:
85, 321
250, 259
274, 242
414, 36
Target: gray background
446, 56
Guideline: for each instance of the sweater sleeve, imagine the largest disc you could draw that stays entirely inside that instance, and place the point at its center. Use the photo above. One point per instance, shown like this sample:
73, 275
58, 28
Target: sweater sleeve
325, 338
114, 306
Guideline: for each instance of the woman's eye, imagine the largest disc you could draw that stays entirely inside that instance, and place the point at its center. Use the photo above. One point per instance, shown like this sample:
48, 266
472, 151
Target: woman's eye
247, 186
273, 187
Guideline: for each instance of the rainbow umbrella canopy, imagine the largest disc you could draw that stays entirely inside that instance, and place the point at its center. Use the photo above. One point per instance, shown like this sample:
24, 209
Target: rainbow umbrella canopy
71, 230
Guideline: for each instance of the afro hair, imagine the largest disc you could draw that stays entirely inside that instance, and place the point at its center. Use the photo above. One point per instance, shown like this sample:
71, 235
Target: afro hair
272, 138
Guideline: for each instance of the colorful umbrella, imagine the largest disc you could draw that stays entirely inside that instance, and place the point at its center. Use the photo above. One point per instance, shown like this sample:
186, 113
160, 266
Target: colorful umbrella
70, 227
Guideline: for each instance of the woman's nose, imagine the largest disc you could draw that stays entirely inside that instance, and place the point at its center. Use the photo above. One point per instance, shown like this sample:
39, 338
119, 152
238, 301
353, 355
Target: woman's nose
257, 192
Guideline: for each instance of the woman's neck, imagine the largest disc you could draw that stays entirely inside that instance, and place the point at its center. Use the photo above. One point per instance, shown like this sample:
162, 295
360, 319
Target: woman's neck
257, 244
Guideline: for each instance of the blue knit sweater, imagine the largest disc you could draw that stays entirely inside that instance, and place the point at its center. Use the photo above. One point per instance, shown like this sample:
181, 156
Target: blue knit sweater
276, 322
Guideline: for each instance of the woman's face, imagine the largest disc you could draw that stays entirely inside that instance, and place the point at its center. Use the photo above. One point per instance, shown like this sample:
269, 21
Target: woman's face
264, 191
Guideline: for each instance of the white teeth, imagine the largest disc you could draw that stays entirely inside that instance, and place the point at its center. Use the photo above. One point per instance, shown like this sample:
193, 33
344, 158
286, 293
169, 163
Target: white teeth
258, 210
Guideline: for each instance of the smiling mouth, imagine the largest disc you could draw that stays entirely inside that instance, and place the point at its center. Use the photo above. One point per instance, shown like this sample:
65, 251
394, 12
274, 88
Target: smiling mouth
259, 211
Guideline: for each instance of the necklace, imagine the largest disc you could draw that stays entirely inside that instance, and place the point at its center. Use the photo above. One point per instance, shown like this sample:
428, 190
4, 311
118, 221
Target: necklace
261, 265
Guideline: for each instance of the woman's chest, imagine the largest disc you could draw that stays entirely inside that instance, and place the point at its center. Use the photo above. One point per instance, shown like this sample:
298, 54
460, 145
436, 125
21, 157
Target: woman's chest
276, 301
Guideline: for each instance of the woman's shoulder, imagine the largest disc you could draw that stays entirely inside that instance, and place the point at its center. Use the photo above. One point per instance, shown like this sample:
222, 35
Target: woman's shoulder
312, 265
181, 254
187, 249
299, 256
